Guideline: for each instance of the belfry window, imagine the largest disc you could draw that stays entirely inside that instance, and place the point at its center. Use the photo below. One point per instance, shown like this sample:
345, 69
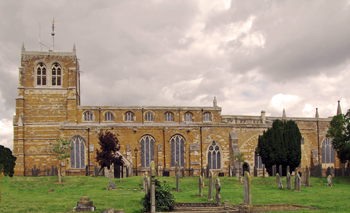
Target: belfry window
214, 156
147, 151
169, 116
56, 74
41, 74
88, 116
129, 116
177, 151
108, 116
327, 151
207, 116
77, 156
149, 116
188, 116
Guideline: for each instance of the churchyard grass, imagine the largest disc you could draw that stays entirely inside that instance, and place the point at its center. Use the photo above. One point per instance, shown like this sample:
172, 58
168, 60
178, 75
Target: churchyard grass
30, 194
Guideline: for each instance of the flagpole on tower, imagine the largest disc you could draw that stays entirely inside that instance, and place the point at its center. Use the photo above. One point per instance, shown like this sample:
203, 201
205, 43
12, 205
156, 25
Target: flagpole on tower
53, 34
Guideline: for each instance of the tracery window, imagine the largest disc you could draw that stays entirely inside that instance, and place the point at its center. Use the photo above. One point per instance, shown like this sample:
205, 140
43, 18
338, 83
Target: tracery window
88, 116
77, 156
147, 151
327, 151
207, 116
258, 161
188, 116
178, 151
41, 74
169, 116
56, 74
214, 156
149, 116
108, 116
129, 116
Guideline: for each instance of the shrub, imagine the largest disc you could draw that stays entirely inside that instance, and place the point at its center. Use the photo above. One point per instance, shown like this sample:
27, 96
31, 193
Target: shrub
165, 201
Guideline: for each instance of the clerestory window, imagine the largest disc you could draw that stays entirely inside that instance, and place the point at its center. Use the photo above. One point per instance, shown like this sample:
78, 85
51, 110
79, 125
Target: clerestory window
88, 116
41, 74
169, 116
129, 116
108, 116
149, 116
207, 116
188, 117
56, 74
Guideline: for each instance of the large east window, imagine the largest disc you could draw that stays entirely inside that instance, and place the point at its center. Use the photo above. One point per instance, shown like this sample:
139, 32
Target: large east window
177, 151
214, 156
41, 74
77, 155
147, 151
56, 74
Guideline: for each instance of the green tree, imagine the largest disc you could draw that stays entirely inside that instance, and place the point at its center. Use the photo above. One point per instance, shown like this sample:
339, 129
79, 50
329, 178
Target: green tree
165, 201
7, 163
339, 131
280, 145
61, 150
109, 145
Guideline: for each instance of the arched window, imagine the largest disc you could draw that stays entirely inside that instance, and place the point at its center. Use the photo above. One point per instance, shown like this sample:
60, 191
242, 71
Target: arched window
207, 116
88, 116
178, 151
41, 74
188, 117
214, 156
169, 116
129, 116
77, 155
108, 116
147, 151
149, 116
327, 151
56, 74
258, 161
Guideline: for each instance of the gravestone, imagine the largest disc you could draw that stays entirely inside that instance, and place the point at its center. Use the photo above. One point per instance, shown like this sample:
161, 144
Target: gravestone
280, 171
289, 181
229, 171
84, 205
200, 186
211, 186
86, 171
288, 170
226, 204
218, 188
297, 183
177, 181
332, 171
255, 172
307, 177
56, 171
330, 181
263, 170
47, 172
279, 181
52, 171
274, 170
208, 171
153, 190
247, 191
183, 172
95, 171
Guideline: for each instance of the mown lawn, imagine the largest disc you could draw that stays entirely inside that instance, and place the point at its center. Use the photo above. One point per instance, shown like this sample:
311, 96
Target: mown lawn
30, 194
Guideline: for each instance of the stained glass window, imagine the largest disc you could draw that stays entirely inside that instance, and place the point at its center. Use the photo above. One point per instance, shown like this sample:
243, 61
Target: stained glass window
147, 151
77, 155
178, 151
214, 156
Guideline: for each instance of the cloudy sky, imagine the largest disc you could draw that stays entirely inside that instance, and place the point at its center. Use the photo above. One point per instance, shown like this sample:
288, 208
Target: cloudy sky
251, 55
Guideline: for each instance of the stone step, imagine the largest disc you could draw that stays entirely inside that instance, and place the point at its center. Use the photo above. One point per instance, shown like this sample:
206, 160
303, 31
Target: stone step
205, 209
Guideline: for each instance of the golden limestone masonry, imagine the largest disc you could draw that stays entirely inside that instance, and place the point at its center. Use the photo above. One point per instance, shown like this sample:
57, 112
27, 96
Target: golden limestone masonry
48, 107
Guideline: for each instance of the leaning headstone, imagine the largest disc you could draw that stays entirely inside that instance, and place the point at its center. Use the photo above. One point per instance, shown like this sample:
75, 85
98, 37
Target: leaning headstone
289, 181
280, 171
84, 205
218, 188
263, 170
329, 180
153, 192
211, 186
177, 181
200, 186
255, 172
247, 195
297, 183
279, 181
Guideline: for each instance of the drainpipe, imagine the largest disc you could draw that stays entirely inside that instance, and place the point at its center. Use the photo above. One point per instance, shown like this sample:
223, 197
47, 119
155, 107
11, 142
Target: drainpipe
201, 148
88, 151
99, 115
179, 117
164, 148
142, 115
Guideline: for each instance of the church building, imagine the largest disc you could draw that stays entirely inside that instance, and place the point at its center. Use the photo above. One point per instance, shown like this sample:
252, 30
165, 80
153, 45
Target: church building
48, 107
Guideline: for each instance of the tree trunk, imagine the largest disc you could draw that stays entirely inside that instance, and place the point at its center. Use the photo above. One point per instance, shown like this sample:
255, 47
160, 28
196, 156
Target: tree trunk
59, 174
